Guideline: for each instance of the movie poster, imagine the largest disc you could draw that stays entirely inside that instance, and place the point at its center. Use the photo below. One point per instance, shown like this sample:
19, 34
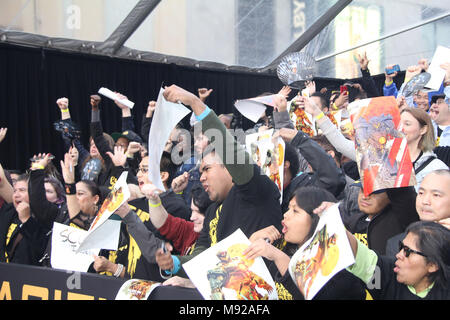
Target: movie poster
382, 151
105, 229
222, 273
268, 152
136, 289
326, 253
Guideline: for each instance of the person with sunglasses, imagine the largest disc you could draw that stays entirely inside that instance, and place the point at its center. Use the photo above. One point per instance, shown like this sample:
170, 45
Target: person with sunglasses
420, 269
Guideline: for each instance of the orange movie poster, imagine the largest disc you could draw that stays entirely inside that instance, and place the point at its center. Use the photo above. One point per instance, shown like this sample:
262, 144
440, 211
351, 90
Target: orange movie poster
382, 152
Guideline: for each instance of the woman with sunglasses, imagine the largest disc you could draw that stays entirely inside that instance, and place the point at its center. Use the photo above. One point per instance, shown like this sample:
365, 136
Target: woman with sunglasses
421, 269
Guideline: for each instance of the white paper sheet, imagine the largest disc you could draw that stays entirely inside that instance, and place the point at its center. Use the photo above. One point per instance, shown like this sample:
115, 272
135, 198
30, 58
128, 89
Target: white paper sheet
65, 241
252, 110
234, 278
165, 118
110, 94
441, 55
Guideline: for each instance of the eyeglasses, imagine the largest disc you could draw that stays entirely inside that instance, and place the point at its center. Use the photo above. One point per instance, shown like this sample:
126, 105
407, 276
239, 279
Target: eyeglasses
408, 250
143, 170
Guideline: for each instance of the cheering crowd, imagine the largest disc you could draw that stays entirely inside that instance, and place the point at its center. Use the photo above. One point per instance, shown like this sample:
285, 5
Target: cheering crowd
400, 235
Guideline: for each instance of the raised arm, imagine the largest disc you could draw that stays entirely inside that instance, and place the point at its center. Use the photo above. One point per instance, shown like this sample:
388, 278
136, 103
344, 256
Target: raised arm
69, 181
235, 158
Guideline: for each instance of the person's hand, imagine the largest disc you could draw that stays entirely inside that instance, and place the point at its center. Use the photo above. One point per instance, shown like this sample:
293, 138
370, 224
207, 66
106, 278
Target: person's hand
150, 109
164, 260
311, 86
40, 160
3, 132
119, 158
423, 64
101, 264
179, 282
285, 91
445, 222
120, 97
263, 128
67, 168
323, 90
151, 192
176, 94
260, 248
323, 206
63, 103
401, 102
123, 210
95, 100
358, 87
389, 77
363, 61
180, 183
286, 134
280, 103
73, 152
133, 147
269, 232
310, 107
412, 71
446, 67
342, 101
203, 93
23, 211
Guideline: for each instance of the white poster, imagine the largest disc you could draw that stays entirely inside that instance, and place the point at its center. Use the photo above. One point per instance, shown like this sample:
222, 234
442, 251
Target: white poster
165, 118
441, 55
326, 253
65, 241
222, 273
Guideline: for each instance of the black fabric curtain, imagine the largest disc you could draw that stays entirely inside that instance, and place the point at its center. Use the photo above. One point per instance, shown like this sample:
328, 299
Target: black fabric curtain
32, 79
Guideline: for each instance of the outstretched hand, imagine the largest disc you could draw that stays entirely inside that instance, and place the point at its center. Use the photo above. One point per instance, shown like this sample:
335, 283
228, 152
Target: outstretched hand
204, 93
119, 158
3, 132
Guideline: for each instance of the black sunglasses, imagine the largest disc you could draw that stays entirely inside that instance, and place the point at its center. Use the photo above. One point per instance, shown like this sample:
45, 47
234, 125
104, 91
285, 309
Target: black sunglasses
408, 250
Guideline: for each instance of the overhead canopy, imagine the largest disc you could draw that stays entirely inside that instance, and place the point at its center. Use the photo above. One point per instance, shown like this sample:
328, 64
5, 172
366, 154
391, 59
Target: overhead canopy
242, 35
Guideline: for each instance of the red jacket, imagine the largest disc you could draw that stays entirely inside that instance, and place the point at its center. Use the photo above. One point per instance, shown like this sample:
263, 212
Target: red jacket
180, 232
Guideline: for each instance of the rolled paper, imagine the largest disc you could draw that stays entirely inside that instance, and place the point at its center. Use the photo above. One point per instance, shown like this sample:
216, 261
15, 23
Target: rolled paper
113, 96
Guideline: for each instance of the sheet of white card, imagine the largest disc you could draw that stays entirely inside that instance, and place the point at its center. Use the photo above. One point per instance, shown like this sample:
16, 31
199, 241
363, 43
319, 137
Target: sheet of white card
252, 110
441, 55
65, 240
110, 94
165, 118
198, 267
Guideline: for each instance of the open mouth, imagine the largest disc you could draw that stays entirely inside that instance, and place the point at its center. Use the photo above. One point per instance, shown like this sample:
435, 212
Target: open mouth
284, 230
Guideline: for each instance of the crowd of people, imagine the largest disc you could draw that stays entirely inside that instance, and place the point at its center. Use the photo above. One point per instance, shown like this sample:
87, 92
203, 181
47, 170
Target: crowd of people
403, 232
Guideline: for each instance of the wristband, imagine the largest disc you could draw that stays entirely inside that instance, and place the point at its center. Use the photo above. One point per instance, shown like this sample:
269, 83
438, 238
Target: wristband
118, 270
334, 106
387, 84
320, 116
70, 188
154, 205
37, 166
65, 110
176, 264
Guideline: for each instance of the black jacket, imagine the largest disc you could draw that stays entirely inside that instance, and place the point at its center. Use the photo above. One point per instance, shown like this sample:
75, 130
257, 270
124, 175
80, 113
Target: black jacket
325, 173
26, 242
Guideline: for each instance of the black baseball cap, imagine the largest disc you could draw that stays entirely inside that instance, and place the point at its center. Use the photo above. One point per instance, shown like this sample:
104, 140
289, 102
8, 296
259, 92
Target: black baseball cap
128, 134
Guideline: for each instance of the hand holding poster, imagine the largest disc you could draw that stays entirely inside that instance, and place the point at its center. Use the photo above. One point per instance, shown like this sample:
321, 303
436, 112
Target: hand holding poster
382, 151
113, 96
223, 273
326, 253
166, 116
267, 151
104, 232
